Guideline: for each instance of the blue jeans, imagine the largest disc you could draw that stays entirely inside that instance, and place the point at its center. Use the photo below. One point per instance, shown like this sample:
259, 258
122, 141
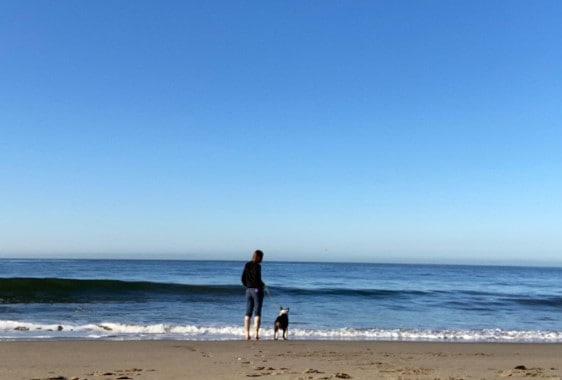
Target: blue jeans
254, 301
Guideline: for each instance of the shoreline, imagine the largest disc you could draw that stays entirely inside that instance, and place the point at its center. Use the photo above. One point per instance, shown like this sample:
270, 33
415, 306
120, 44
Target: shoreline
292, 359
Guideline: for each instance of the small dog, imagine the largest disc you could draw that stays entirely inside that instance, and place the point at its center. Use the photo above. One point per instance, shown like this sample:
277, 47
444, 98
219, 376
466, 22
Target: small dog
281, 322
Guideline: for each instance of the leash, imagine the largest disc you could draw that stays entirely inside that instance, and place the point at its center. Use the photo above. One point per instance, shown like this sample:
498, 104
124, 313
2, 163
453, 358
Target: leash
266, 289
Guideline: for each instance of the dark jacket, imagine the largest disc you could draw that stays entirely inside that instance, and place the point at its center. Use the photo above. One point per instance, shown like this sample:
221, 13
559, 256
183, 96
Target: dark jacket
251, 276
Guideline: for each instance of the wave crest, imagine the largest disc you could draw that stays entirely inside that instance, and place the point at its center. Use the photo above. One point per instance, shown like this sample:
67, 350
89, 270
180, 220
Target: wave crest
62, 290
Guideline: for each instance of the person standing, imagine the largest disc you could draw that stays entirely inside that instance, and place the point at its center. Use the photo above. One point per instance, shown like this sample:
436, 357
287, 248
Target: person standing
251, 279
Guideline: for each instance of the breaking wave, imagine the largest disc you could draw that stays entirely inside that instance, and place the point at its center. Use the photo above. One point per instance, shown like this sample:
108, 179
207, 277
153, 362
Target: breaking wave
14, 330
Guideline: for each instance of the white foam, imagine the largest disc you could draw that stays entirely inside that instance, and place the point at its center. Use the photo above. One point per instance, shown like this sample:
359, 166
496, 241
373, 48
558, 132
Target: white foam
10, 330
486, 335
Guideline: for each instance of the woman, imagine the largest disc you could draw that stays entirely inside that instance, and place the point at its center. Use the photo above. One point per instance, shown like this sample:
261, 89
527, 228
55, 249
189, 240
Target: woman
251, 278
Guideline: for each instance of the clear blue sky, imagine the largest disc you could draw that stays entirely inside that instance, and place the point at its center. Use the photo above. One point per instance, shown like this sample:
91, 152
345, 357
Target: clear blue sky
384, 131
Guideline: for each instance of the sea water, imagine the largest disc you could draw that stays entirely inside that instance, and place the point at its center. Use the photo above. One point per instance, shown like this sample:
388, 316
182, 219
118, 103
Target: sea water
204, 300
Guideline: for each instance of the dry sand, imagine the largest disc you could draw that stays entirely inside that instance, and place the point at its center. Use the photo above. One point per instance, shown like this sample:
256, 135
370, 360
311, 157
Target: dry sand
146, 360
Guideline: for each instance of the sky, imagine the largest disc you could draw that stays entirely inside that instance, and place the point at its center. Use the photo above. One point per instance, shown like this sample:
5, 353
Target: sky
376, 131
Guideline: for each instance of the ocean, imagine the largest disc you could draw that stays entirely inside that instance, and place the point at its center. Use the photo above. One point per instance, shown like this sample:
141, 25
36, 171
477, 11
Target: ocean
204, 300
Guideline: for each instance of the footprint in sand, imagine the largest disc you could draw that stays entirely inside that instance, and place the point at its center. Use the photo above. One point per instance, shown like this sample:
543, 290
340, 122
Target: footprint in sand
341, 375
312, 370
523, 371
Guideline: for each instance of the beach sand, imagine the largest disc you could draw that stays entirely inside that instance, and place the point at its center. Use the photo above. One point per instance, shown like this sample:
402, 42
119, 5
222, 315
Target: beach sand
146, 360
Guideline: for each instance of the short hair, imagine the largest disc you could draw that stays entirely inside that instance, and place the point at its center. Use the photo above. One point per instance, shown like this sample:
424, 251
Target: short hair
257, 257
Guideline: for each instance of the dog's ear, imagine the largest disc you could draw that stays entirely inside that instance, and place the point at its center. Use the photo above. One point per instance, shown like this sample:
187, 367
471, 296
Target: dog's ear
287, 310
280, 307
